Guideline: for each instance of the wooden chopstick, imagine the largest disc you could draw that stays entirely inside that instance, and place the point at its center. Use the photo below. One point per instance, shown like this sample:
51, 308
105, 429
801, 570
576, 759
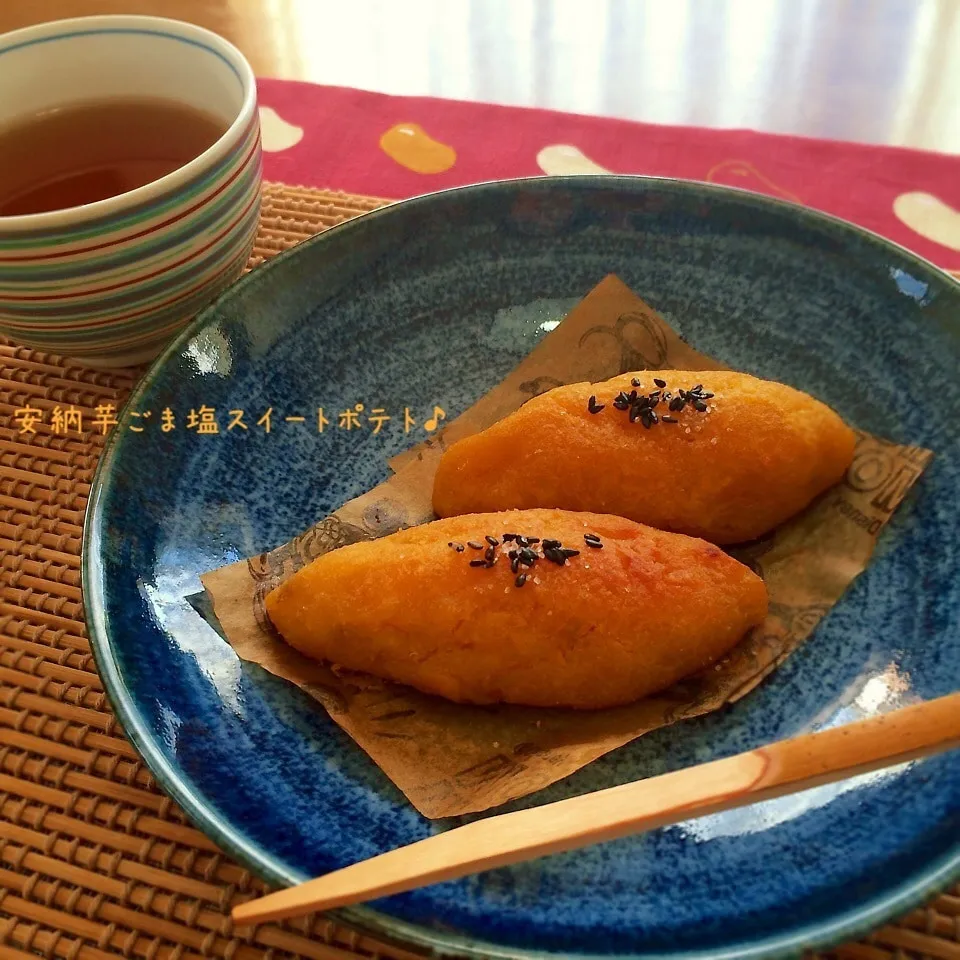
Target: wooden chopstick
787, 766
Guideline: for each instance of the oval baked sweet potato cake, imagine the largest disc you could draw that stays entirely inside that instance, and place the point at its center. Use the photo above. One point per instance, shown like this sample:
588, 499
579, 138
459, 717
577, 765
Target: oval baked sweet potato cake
713, 454
540, 607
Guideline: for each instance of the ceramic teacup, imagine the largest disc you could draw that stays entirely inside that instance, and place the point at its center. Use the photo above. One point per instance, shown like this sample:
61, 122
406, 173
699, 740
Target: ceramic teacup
108, 283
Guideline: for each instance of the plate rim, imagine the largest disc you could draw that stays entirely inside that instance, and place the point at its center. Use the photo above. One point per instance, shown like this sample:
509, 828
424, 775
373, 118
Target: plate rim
938, 875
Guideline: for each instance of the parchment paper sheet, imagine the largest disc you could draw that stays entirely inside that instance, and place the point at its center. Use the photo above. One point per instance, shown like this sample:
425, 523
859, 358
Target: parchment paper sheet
451, 759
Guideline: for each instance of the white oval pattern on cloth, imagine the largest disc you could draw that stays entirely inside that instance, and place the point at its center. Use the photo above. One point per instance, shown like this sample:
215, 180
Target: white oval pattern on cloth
930, 217
276, 134
563, 160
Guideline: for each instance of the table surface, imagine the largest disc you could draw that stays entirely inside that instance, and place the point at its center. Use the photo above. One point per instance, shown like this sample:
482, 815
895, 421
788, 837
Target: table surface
876, 71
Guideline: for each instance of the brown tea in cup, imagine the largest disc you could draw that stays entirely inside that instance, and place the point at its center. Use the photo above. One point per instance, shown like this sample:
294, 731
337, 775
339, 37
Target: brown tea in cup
84, 152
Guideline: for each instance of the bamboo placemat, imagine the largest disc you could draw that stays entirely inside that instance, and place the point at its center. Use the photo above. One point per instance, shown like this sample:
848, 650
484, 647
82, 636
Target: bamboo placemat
95, 861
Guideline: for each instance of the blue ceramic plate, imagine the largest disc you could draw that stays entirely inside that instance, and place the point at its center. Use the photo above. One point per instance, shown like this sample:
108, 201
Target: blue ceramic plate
430, 302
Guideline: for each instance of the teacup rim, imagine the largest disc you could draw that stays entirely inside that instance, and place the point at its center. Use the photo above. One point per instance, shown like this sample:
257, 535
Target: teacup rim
72, 216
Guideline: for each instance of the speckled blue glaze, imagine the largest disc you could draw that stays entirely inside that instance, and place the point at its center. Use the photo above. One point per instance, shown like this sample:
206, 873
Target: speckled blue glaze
433, 301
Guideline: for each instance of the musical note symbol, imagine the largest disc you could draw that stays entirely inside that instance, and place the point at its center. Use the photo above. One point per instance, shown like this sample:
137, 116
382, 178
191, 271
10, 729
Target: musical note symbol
432, 424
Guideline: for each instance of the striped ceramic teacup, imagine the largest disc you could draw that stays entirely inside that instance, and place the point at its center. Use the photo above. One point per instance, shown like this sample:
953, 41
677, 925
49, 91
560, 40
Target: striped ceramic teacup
109, 282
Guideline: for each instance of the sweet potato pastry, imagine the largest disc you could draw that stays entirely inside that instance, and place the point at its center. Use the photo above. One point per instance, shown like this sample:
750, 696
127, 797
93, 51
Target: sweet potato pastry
719, 455
539, 607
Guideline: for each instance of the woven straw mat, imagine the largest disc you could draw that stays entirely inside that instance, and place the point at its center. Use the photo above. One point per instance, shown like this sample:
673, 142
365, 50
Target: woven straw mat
95, 861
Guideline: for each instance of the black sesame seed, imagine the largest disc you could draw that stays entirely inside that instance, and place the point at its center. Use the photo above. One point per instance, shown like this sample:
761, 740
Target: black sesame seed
660, 383
528, 557
474, 545
635, 414
551, 544
478, 563
490, 554
635, 382
456, 546
706, 396
677, 403
652, 417
696, 389
507, 537
699, 405
593, 406
514, 562
596, 544
493, 541
590, 536
555, 556
532, 540
521, 580
666, 419
567, 552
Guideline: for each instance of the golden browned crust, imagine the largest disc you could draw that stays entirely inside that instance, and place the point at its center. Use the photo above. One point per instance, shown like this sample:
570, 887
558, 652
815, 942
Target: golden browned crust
758, 455
608, 627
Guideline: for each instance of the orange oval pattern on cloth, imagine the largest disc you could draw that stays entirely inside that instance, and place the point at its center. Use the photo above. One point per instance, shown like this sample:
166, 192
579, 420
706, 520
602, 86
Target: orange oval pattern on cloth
740, 173
412, 147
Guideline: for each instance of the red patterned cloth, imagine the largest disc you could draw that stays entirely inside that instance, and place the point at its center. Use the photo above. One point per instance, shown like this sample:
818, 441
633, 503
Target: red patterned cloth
398, 147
